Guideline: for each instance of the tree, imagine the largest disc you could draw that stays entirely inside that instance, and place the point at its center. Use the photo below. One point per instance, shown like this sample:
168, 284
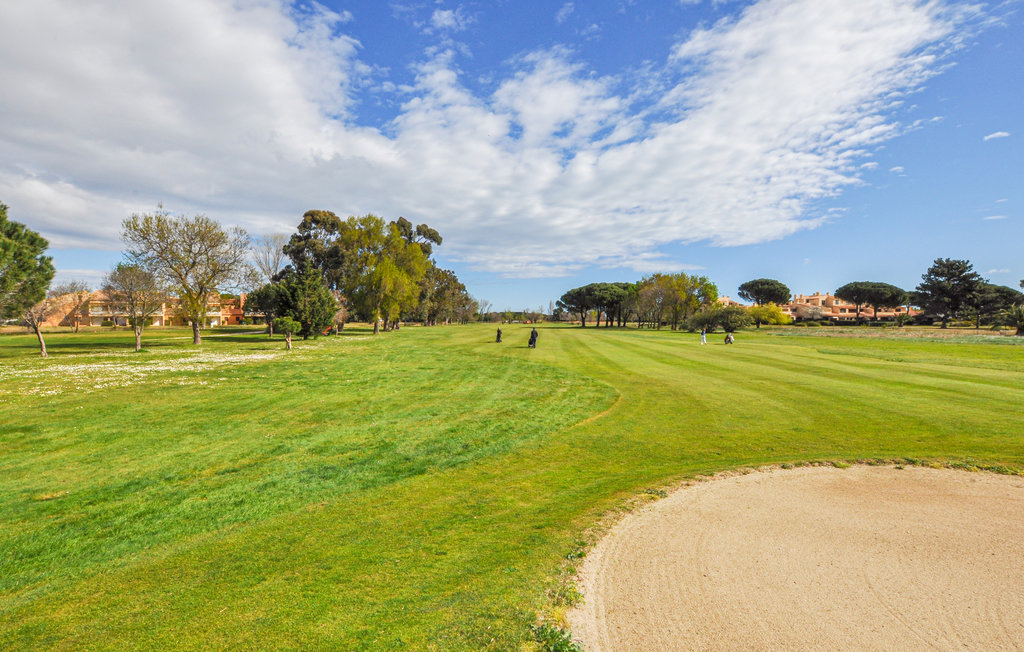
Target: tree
885, 295
872, 293
382, 270
990, 300
441, 295
137, 292
341, 313
194, 256
728, 318
268, 299
947, 287
317, 243
423, 235
1015, 315
577, 301
732, 318
268, 255
608, 298
288, 327
768, 313
305, 298
857, 293
765, 290
36, 315
369, 260
25, 273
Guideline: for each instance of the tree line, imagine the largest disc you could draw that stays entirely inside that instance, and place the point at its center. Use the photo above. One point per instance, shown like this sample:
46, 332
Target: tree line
950, 289
330, 269
654, 301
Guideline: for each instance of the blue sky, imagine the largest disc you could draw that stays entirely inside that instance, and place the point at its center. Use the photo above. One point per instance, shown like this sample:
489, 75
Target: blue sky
551, 143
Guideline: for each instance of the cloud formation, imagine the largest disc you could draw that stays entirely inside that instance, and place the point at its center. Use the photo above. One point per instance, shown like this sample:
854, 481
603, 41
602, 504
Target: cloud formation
247, 111
997, 134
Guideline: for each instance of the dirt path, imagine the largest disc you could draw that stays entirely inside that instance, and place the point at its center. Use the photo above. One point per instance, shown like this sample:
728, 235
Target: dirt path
814, 558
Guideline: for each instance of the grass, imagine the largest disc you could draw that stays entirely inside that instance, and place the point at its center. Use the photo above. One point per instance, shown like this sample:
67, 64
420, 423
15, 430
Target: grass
425, 489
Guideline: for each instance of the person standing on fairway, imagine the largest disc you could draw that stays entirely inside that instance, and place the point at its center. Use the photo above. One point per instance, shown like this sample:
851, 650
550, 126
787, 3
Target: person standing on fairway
533, 338
499, 336
703, 335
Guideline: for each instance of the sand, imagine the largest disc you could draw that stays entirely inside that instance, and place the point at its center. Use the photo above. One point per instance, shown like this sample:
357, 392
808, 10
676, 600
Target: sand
814, 558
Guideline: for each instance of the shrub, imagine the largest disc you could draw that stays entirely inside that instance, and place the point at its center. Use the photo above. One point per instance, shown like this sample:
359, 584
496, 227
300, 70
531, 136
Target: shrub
107, 322
554, 639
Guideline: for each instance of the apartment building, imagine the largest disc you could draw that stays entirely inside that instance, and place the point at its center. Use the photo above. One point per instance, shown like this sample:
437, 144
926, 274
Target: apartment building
828, 306
98, 310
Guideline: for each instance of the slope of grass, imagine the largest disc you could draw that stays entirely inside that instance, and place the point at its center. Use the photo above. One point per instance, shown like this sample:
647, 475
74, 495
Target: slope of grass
419, 489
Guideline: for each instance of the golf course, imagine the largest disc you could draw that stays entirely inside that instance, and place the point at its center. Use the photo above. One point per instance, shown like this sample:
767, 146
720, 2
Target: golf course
426, 488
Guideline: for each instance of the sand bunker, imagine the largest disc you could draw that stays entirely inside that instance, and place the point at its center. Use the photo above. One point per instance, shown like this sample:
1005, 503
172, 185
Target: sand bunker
814, 558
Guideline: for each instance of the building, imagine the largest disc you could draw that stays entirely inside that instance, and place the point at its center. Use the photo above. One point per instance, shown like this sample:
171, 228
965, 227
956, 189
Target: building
97, 310
728, 301
820, 306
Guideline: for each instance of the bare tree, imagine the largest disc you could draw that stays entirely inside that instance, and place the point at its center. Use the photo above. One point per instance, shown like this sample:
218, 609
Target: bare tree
75, 293
194, 256
137, 292
342, 313
38, 314
268, 254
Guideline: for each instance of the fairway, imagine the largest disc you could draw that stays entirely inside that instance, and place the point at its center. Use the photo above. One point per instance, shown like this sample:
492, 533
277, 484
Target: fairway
421, 489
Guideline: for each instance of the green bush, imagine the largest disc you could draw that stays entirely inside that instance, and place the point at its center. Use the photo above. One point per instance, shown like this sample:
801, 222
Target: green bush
107, 322
554, 639
813, 324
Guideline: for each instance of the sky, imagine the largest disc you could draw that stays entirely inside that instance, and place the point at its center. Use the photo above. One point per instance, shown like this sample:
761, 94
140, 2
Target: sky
552, 144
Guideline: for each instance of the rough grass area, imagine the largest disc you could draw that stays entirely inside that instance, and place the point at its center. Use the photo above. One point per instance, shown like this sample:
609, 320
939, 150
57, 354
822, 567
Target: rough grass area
421, 489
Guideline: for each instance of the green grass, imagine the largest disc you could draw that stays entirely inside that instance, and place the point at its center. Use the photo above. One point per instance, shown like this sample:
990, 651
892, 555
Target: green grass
421, 489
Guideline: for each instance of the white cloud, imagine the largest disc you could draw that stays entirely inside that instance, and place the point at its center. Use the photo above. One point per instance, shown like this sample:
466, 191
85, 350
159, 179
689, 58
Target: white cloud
897, 169
994, 217
246, 111
449, 20
564, 13
997, 134
998, 271
870, 165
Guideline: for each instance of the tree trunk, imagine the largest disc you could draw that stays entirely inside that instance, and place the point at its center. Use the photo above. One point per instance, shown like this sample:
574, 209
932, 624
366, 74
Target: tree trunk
138, 338
376, 327
944, 320
288, 340
42, 344
196, 337
270, 327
